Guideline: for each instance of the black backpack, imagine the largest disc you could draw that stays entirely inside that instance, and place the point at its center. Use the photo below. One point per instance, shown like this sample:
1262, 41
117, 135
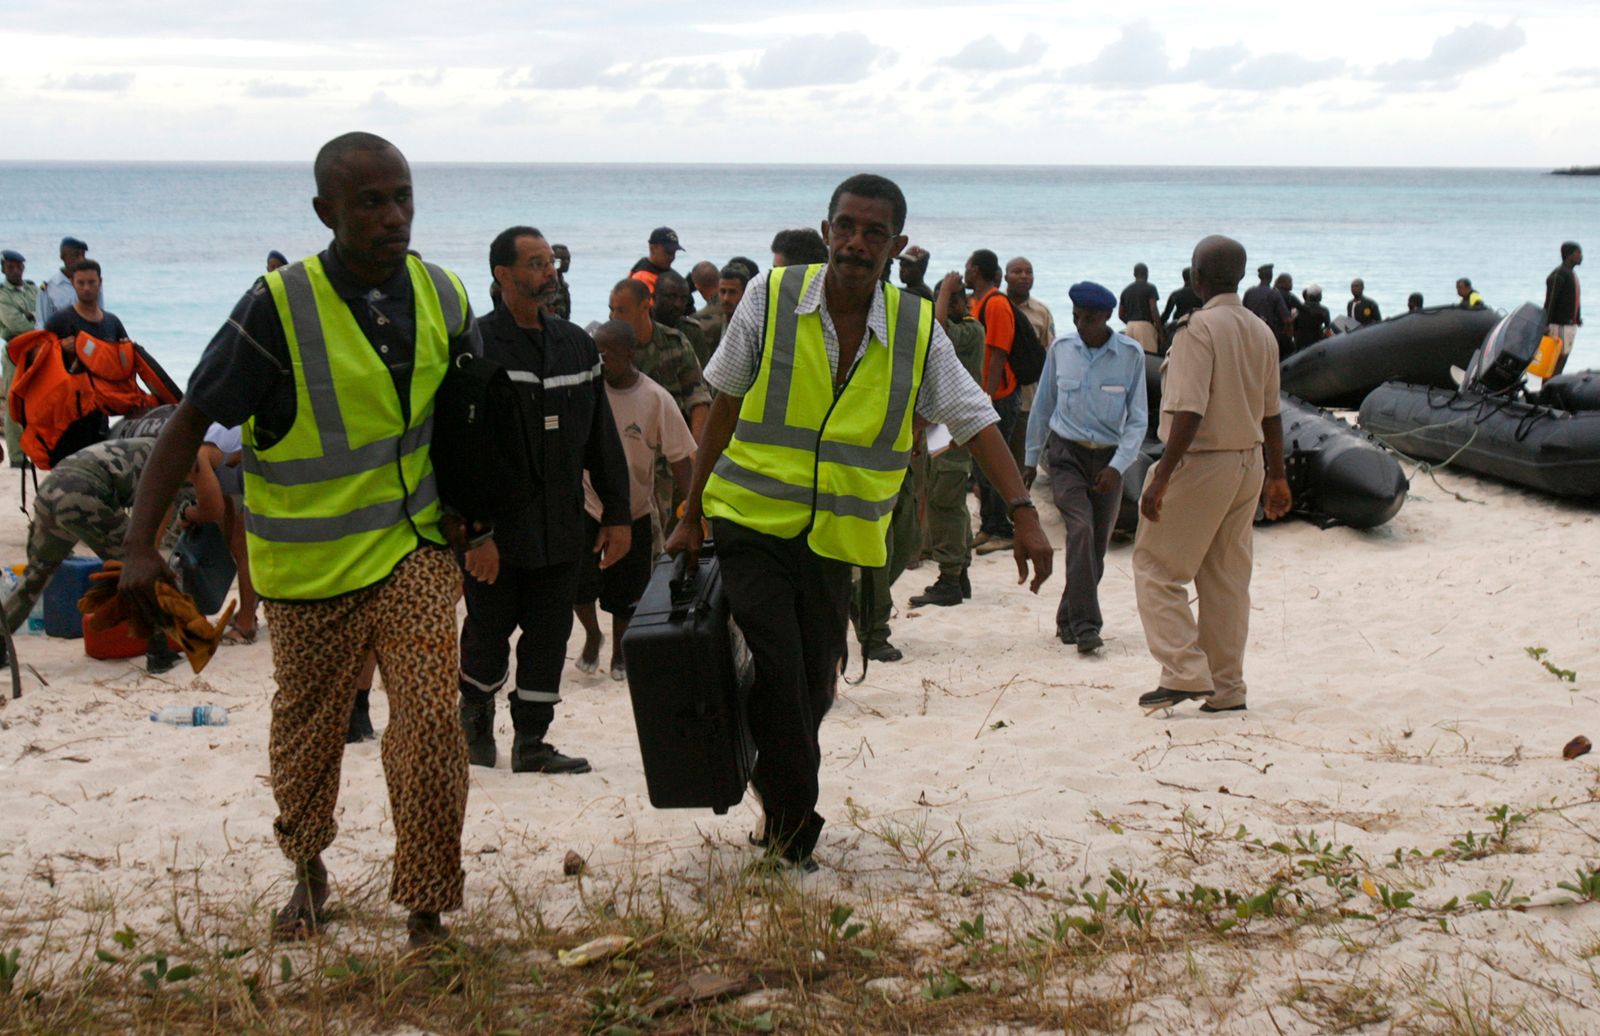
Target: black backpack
1027, 352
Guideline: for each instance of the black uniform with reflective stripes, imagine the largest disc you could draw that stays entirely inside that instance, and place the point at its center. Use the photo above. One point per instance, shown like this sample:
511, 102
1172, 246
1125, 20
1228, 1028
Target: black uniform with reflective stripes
568, 420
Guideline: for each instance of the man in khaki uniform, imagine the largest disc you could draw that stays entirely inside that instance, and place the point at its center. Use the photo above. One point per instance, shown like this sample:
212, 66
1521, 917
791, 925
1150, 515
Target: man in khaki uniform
1219, 404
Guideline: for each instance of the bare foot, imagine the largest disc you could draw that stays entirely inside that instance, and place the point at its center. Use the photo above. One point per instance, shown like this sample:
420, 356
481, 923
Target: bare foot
589, 658
303, 914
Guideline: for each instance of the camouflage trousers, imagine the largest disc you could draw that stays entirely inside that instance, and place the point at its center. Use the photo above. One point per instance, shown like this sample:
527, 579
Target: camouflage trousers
71, 508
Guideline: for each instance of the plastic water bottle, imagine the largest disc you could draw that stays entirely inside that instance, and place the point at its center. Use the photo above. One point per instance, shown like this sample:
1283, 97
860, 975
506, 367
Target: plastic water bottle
191, 716
36, 618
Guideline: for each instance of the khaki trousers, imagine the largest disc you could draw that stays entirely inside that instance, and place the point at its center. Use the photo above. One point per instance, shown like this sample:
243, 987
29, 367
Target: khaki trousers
1145, 333
1204, 537
317, 646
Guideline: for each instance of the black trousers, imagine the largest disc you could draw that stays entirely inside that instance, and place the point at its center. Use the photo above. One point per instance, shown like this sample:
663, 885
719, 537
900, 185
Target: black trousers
539, 602
1090, 518
992, 517
793, 607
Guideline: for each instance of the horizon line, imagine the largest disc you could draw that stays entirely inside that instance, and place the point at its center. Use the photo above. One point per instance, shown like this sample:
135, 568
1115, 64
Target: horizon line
59, 162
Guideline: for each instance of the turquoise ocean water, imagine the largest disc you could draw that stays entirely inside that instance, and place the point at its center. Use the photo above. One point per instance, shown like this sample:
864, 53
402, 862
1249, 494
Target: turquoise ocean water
181, 242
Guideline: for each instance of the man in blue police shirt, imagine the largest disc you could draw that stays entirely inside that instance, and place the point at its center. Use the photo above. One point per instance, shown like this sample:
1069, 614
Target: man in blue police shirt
1089, 417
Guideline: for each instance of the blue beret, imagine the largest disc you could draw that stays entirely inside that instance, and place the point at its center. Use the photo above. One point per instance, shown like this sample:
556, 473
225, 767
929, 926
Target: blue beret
1092, 296
74, 242
12, 257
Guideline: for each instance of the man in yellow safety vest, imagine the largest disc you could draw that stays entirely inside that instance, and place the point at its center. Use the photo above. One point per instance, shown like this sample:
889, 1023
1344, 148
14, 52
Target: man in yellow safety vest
331, 365
821, 374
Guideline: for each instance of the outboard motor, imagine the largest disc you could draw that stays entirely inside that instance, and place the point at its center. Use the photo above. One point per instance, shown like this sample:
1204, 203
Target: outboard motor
1501, 361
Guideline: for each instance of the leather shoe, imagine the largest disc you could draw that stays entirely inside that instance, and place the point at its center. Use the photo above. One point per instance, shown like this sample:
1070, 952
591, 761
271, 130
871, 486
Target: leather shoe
477, 721
1209, 708
995, 544
1089, 643
531, 755
1167, 697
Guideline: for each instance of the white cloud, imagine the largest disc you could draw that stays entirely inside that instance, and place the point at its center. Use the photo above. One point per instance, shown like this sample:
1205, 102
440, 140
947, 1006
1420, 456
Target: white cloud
988, 54
1454, 54
817, 60
269, 89
101, 82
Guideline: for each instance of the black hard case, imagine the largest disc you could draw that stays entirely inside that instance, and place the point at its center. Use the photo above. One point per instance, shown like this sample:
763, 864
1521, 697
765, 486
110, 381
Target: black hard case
689, 675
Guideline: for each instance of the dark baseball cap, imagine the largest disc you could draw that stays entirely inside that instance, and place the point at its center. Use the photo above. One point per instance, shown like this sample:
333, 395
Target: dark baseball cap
74, 242
11, 256
665, 236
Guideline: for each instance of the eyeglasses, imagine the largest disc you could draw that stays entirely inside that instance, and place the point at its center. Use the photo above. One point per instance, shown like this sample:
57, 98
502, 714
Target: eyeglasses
844, 228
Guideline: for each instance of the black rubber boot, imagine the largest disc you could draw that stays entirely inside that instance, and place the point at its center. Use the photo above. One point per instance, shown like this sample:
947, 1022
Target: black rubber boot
530, 754
360, 728
477, 721
944, 592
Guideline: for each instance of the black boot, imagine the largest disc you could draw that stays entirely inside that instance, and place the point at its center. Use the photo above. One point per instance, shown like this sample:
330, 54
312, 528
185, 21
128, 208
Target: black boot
530, 754
477, 721
944, 592
360, 728
966, 586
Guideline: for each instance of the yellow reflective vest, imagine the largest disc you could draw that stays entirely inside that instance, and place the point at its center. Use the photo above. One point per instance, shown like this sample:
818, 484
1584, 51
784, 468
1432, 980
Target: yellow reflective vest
349, 490
807, 459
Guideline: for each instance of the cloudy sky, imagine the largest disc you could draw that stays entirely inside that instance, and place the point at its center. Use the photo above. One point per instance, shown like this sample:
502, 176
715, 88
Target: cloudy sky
1166, 82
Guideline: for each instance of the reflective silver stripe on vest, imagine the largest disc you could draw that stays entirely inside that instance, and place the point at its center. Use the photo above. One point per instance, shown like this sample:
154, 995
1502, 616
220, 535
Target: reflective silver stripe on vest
881, 455
780, 378
371, 518
370, 457
762, 485
313, 347
855, 507
449, 299
775, 489
559, 381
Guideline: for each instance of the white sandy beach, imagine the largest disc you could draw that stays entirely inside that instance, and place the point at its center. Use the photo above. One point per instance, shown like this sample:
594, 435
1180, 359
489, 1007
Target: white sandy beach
1392, 707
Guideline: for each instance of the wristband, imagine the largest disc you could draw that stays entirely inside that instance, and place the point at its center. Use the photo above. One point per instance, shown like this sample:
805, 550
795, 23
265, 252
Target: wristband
1013, 506
474, 542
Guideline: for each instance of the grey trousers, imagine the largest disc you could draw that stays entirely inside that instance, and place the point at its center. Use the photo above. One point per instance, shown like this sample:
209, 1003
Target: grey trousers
1089, 517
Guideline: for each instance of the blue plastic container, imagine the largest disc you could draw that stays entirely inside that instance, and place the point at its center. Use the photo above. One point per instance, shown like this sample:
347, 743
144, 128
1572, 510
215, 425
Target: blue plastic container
71, 581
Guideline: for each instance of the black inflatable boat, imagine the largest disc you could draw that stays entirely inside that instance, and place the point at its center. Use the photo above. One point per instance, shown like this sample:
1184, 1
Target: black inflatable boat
1577, 391
1419, 347
1338, 475
1557, 451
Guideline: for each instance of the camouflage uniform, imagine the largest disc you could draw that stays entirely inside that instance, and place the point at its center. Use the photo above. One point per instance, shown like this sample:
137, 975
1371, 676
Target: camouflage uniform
710, 321
695, 335
670, 362
562, 306
19, 305
949, 521
84, 499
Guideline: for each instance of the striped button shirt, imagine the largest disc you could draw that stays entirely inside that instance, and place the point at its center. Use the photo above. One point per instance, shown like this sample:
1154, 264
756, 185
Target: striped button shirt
949, 395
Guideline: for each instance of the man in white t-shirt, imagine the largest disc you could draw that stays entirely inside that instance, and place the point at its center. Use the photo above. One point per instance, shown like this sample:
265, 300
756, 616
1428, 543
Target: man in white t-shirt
650, 424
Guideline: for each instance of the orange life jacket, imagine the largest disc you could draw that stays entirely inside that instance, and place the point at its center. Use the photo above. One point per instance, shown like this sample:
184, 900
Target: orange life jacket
47, 399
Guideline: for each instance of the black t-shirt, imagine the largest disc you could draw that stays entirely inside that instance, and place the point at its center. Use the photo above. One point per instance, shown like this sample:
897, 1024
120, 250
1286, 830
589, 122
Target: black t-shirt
67, 322
246, 372
646, 266
1561, 297
1180, 304
1309, 323
1135, 301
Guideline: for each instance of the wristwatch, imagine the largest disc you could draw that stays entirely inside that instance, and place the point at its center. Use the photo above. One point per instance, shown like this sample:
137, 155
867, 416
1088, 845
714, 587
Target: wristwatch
1012, 506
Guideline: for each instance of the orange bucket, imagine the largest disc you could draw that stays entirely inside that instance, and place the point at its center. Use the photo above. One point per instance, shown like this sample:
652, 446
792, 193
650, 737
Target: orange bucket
1544, 364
